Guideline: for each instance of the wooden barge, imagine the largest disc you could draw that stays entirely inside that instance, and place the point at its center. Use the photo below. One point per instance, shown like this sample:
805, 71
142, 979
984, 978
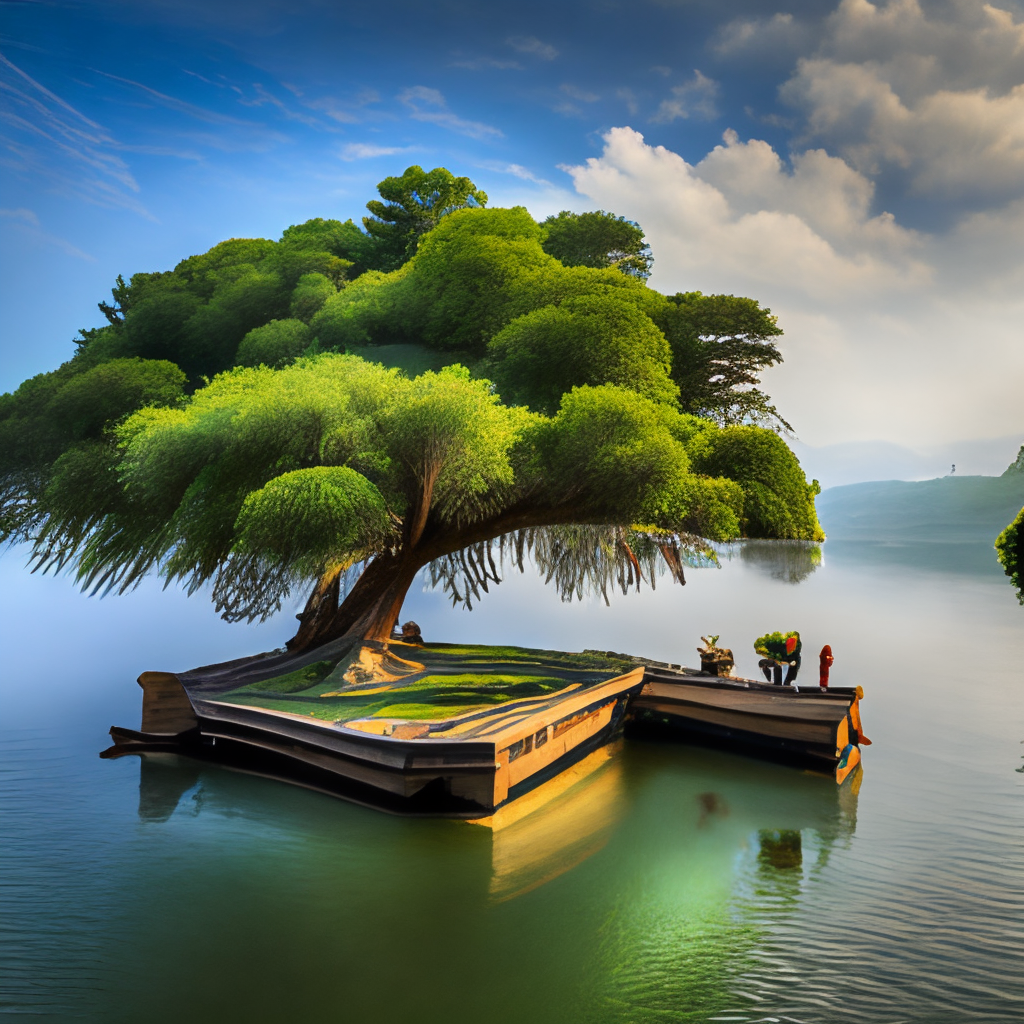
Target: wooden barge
810, 725
467, 765
470, 761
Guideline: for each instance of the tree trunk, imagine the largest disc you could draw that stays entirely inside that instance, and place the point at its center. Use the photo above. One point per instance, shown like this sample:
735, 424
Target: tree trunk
367, 613
374, 603
321, 609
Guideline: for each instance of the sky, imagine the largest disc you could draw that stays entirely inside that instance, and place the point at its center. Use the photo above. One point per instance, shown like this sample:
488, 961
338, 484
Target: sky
856, 167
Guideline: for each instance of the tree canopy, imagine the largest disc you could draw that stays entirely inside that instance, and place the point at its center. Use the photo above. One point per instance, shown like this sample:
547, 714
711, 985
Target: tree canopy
412, 205
598, 240
1010, 543
1010, 546
720, 343
590, 401
266, 479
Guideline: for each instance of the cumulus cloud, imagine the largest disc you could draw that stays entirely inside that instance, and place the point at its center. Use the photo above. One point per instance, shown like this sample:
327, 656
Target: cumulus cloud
430, 106
882, 323
781, 33
695, 98
936, 96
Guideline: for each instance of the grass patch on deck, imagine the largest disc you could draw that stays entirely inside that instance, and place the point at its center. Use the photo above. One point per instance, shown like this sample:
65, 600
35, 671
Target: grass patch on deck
432, 697
427, 712
483, 677
294, 682
470, 654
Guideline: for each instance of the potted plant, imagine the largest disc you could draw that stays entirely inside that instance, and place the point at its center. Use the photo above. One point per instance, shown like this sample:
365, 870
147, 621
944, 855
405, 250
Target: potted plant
715, 660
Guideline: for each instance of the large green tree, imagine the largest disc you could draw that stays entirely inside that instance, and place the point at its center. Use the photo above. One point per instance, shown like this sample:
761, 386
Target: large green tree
335, 474
268, 479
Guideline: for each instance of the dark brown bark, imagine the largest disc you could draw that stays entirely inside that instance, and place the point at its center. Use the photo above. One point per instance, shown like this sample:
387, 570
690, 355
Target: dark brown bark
673, 559
373, 605
320, 611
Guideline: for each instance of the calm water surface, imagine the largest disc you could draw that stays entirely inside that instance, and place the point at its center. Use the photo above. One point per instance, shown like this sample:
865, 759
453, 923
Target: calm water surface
667, 884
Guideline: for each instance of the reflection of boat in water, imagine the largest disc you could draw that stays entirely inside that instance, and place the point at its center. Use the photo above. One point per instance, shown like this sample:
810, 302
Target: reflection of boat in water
808, 724
463, 766
558, 825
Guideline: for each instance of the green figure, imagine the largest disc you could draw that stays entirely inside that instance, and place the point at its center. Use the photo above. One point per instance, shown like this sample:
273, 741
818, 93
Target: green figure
778, 649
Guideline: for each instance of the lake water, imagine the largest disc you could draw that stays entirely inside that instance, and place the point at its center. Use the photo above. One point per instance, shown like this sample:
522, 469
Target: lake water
666, 884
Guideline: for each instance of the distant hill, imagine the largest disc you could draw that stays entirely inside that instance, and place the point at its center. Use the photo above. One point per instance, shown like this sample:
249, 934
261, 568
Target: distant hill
951, 508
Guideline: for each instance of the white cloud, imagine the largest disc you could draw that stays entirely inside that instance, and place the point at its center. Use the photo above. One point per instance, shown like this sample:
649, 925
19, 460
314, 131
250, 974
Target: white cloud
47, 139
583, 95
516, 170
26, 223
888, 332
346, 111
491, 63
746, 36
695, 98
22, 214
533, 46
938, 96
429, 105
367, 151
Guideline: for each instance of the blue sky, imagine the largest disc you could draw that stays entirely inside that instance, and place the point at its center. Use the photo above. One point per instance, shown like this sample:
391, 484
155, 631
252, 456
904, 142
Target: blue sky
859, 168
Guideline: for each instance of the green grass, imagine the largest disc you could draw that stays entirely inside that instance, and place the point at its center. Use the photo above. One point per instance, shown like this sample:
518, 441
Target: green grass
294, 682
504, 674
433, 696
430, 712
479, 654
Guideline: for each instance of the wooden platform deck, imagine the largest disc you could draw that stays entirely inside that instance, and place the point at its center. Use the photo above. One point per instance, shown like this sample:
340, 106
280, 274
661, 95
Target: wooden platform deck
460, 734
468, 764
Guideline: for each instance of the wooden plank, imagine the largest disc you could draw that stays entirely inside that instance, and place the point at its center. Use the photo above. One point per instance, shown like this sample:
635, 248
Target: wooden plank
166, 708
796, 692
777, 727
384, 750
751, 703
573, 703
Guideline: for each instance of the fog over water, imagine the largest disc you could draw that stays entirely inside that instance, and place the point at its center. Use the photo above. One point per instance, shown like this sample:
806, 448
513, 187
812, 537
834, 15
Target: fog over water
670, 883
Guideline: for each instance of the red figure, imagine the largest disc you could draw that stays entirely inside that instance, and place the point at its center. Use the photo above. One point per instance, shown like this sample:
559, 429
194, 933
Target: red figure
825, 663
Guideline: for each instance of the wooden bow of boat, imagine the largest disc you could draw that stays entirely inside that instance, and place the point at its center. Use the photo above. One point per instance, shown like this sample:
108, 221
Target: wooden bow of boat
820, 727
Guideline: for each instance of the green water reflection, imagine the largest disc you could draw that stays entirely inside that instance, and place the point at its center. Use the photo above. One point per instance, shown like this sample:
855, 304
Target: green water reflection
622, 887
664, 883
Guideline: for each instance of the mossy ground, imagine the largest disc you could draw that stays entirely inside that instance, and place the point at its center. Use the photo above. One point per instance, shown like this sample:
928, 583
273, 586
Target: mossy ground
503, 674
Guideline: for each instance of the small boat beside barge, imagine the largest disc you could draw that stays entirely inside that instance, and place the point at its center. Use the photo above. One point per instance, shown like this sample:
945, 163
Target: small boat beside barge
810, 725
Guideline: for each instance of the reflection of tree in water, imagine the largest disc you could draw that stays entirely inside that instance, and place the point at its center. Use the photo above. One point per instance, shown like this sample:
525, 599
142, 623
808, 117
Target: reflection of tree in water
790, 561
780, 849
580, 560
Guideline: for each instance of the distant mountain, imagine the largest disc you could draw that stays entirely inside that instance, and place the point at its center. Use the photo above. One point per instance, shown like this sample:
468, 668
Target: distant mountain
855, 462
952, 508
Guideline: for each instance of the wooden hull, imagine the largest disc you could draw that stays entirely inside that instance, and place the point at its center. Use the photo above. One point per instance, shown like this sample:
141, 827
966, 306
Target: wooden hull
810, 725
432, 771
